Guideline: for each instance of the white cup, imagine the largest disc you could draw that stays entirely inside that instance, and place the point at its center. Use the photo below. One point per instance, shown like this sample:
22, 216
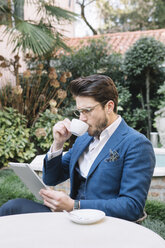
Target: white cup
78, 127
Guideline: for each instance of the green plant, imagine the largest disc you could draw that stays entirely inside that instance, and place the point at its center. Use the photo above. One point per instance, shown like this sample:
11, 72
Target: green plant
142, 64
155, 217
137, 118
41, 132
156, 210
85, 60
34, 89
155, 225
15, 144
161, 92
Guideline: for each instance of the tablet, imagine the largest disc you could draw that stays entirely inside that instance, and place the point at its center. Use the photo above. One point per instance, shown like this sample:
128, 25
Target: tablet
29, 178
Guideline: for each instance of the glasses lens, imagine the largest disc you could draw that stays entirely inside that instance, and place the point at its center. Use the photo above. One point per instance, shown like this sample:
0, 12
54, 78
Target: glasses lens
77, 113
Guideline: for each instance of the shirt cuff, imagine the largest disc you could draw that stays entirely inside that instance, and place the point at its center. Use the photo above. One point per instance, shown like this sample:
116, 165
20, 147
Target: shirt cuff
51, 155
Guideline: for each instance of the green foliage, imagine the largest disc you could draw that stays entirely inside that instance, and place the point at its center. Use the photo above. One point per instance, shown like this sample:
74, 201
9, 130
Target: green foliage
111, 65
142, 65
161, 92
156, 209
146, 53
35, 89
159, 15
14, 138
11, 187
131, 15
137, 119
85, 60
156, 226
155, 217
42, 130
124, 97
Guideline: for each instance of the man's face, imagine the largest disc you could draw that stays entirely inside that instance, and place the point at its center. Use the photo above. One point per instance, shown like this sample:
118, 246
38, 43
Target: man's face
96, 118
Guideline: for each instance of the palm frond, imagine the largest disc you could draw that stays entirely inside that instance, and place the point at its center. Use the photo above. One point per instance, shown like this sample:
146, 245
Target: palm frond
59, 43
40, 37
4, 9
29, 36
57, 12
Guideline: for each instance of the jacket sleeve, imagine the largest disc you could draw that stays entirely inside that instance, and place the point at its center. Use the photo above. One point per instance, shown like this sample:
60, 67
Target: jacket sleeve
56, 170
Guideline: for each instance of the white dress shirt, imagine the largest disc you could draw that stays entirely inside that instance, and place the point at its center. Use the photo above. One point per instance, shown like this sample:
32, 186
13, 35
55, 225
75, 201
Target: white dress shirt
89, 155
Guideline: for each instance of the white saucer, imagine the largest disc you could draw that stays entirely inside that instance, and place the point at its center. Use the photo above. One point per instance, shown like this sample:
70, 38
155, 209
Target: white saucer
86, 216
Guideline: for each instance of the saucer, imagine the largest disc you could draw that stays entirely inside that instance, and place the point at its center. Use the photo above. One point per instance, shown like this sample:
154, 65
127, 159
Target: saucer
86, 216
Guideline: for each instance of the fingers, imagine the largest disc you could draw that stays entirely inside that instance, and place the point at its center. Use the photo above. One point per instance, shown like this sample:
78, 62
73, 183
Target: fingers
49, 198
62, 127
56, 200
61, 133
62, 130
51, 205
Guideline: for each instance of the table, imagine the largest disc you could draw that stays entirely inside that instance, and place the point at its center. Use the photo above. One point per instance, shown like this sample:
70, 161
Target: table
55, 230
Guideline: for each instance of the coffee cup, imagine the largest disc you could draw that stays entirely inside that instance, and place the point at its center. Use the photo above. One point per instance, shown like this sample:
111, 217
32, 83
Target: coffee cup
78, 127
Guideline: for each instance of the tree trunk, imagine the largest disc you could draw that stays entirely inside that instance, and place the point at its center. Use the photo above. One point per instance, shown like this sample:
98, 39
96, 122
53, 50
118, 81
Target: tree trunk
142, 99
148, 102
82, 5
9, 18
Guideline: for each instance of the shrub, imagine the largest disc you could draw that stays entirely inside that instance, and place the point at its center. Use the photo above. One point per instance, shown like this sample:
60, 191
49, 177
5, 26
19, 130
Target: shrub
85, 59
142, 65
156, 209
14, 138
34, 90
41, 133
155, 225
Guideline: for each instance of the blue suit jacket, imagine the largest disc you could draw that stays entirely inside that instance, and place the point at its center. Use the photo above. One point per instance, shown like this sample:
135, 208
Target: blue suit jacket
116, 185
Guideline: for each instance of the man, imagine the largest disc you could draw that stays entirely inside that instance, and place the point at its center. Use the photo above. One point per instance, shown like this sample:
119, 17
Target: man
110, 167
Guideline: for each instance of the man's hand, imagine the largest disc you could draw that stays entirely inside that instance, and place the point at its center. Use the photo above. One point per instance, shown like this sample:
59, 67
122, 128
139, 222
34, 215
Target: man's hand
61, 133
57, 200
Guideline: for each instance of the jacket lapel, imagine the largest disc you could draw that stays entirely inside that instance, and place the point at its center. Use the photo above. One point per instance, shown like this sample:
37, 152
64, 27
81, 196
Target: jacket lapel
79, 149
113, 141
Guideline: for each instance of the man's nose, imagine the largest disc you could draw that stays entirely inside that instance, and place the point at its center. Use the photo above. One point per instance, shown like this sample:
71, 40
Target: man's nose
83, 117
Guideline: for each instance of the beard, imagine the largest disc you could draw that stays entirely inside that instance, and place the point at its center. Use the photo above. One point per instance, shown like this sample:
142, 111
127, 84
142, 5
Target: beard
99, 127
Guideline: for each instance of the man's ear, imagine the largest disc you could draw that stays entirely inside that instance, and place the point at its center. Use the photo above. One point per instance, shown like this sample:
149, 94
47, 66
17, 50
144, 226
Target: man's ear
110, 106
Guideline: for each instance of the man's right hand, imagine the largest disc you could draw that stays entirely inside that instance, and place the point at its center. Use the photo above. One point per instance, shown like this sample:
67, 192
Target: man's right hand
61, 134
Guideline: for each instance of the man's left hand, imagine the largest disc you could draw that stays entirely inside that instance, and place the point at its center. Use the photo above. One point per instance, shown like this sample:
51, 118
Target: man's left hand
56, 200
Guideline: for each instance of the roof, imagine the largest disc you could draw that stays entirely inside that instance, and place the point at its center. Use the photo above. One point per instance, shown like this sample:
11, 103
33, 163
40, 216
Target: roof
120, 42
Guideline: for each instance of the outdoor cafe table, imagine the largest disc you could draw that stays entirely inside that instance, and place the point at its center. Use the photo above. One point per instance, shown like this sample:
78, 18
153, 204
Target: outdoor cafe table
55, 230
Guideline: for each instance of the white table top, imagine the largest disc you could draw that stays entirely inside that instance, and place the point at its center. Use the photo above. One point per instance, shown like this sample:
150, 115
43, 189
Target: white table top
50, 230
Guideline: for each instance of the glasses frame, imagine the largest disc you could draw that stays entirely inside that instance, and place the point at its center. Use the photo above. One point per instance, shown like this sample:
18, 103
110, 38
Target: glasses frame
85, 111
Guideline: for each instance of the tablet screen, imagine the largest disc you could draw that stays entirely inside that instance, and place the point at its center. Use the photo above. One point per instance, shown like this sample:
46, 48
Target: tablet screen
29, 178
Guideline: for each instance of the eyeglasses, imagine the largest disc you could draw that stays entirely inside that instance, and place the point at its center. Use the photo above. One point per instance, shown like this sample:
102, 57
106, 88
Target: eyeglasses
85, 111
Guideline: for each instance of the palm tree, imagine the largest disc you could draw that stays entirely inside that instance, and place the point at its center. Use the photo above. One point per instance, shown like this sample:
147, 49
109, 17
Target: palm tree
41, 36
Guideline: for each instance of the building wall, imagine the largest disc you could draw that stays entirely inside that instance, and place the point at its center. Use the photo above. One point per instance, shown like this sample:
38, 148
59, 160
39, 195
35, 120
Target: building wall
157, 188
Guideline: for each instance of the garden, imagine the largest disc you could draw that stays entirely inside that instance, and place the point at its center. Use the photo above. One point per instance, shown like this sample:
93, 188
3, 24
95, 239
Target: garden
31, 108
40, 98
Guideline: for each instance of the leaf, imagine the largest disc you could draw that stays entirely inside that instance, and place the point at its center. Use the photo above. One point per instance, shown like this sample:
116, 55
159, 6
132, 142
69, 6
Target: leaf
58, 13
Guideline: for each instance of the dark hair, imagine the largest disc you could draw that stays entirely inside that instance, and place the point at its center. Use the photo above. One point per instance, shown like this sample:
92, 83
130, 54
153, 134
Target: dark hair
100, 87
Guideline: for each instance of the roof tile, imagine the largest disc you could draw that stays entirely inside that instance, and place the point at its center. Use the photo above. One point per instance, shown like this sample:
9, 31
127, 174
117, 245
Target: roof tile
120, 42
